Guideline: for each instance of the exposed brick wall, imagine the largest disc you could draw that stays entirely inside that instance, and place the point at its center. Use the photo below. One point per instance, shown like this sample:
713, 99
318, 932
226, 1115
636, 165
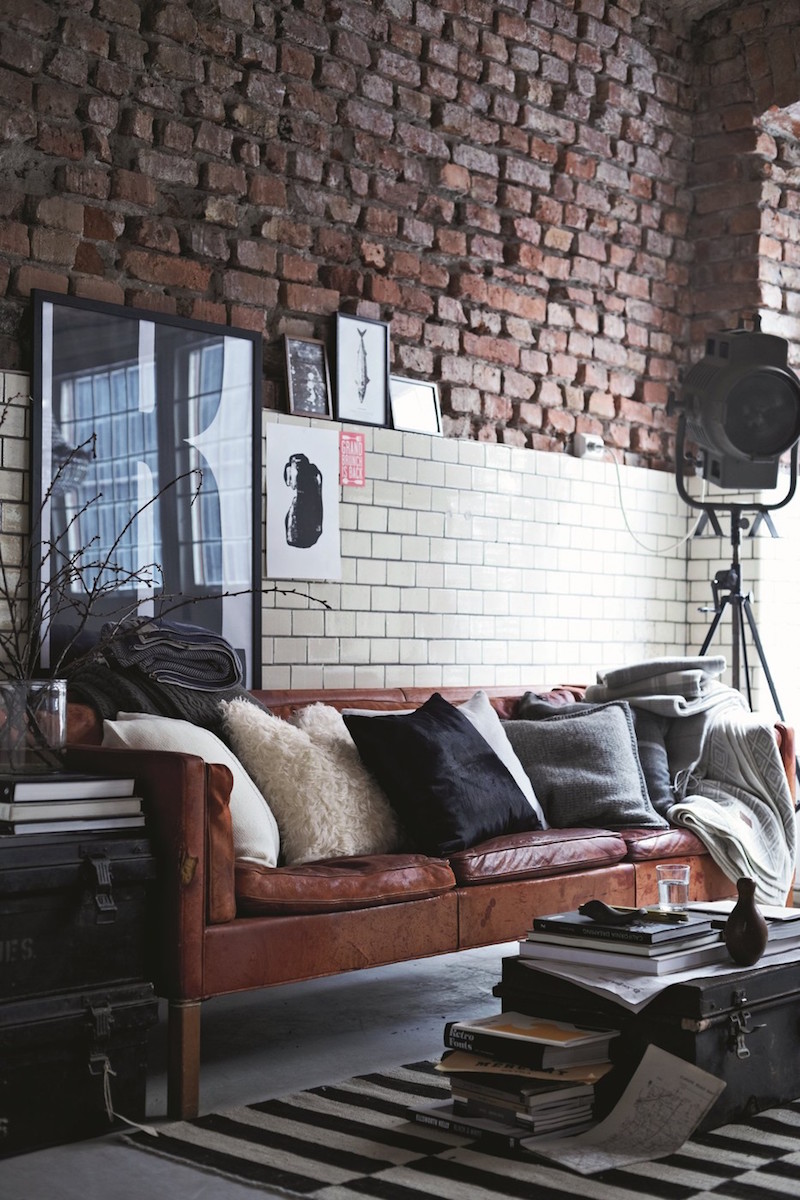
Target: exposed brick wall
505, 182
745, 228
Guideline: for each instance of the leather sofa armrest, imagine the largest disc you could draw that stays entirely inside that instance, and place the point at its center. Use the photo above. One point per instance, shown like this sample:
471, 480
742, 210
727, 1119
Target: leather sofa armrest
221, 862
173, 787
786, 744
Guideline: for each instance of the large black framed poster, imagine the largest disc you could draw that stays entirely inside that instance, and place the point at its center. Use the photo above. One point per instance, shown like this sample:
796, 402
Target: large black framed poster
147, 473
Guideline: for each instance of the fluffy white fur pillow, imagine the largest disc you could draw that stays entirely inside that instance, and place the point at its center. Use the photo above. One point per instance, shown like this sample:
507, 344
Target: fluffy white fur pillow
255, 831
325, 801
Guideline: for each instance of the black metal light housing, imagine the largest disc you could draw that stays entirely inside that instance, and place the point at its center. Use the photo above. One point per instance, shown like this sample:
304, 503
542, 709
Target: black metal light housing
742, 408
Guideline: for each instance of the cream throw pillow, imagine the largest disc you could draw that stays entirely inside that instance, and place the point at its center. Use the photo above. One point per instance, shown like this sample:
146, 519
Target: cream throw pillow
255, 831
326, 802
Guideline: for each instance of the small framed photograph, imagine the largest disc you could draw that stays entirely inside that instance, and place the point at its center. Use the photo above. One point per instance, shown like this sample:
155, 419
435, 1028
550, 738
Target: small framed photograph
308, 385
415, 405
362, 370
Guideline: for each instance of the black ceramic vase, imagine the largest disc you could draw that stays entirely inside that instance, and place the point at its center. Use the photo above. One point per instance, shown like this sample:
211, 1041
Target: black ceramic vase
745, 930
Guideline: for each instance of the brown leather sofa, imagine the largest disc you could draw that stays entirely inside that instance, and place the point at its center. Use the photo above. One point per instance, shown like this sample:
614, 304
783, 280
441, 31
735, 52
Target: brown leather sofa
374, 910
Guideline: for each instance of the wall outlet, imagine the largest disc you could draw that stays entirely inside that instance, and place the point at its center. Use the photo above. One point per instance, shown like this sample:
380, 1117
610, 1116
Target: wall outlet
588, 445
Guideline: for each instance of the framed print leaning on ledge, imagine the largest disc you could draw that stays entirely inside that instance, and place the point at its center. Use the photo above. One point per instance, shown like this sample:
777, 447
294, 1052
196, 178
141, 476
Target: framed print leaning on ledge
308, 388
362, 370
147, 473
415, 405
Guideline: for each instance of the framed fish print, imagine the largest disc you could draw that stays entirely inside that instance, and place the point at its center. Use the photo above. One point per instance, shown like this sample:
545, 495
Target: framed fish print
362, 370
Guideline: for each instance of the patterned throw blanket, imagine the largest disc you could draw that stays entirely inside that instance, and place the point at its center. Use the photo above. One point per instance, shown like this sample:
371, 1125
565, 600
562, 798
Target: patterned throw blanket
728, 778
741, 807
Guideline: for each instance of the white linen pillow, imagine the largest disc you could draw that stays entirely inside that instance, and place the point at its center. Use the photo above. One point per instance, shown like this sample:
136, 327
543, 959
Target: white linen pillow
478, 710
255, 831
326, 802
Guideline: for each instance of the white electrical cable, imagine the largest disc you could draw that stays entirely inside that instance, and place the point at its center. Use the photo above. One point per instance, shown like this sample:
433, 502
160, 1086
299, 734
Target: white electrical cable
649, 549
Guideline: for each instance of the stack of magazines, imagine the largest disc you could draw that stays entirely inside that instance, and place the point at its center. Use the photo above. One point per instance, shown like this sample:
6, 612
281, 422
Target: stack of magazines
514, 1078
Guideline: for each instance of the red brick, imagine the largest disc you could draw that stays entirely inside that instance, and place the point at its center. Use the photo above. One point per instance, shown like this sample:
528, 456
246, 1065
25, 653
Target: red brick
60, 143
27, 278
206, 310
250, 289
120, 12
91, 287
227, 180
88, 260
307, 299
133, 188
209, 241
166, 271
14, 239
167, 168
54, 246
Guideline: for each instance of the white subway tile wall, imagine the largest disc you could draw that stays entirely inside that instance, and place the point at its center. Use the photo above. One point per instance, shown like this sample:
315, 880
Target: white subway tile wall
466, 563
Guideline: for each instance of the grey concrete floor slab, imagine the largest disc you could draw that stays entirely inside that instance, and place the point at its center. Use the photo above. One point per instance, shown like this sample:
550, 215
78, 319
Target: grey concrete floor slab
270, 1043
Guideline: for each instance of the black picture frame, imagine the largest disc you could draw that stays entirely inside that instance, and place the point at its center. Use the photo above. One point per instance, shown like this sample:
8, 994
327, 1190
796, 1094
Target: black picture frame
415, 405
362, 370
146, 461
308, 384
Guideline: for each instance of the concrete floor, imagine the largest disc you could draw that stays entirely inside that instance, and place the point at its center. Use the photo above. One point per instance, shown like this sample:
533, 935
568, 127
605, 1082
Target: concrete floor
265, 1044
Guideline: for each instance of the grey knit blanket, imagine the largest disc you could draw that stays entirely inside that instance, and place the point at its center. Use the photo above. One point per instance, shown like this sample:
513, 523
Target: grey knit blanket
727, 775
173, 652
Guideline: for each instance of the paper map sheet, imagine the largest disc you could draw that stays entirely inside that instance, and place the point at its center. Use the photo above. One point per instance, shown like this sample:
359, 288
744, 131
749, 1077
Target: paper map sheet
660, 1108
634, 991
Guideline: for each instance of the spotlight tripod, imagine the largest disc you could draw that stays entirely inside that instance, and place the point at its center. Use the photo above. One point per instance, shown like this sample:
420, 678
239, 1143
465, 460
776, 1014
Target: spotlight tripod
729, 581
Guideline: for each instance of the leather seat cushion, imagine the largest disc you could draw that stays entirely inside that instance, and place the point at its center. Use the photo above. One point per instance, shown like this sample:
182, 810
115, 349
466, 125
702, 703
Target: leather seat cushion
338, 884
644, 844
536, 854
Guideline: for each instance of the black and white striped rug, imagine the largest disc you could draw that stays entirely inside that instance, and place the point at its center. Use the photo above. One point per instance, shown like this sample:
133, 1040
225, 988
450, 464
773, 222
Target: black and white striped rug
355, 1140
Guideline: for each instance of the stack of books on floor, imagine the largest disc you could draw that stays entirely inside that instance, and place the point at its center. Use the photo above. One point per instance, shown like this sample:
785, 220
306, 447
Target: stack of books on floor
514, 1078
67, 803
659, 943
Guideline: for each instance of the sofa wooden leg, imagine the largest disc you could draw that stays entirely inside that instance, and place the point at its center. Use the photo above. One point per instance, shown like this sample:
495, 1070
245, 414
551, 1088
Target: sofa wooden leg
183, 1067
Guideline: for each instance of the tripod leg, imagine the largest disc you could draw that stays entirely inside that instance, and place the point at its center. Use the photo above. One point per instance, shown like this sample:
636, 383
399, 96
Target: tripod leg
739, 634
714, 624
751, 621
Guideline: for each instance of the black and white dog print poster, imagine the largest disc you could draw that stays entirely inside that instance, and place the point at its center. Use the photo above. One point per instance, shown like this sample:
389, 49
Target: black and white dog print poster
302, 481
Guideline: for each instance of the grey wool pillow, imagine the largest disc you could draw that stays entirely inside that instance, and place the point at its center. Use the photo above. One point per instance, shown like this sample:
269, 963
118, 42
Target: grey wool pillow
585, 767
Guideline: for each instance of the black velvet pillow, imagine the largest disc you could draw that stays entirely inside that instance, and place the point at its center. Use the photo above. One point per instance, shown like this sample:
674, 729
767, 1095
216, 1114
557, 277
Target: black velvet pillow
447, 785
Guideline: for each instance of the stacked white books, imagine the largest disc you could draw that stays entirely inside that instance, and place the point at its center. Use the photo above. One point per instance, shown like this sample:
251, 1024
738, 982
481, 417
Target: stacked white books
68, 803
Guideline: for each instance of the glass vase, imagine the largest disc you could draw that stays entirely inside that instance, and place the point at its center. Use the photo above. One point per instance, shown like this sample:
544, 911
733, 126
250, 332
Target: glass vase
33, 725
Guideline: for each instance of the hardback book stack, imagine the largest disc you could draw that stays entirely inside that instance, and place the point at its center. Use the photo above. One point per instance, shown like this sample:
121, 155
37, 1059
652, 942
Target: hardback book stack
657, 944
67, 803
514, 1078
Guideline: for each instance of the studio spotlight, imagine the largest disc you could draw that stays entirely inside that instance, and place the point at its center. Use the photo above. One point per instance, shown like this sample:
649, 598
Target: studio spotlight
742, 408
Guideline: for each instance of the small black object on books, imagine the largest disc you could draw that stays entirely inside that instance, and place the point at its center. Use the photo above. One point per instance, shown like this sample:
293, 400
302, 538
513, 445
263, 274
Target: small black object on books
598, 910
